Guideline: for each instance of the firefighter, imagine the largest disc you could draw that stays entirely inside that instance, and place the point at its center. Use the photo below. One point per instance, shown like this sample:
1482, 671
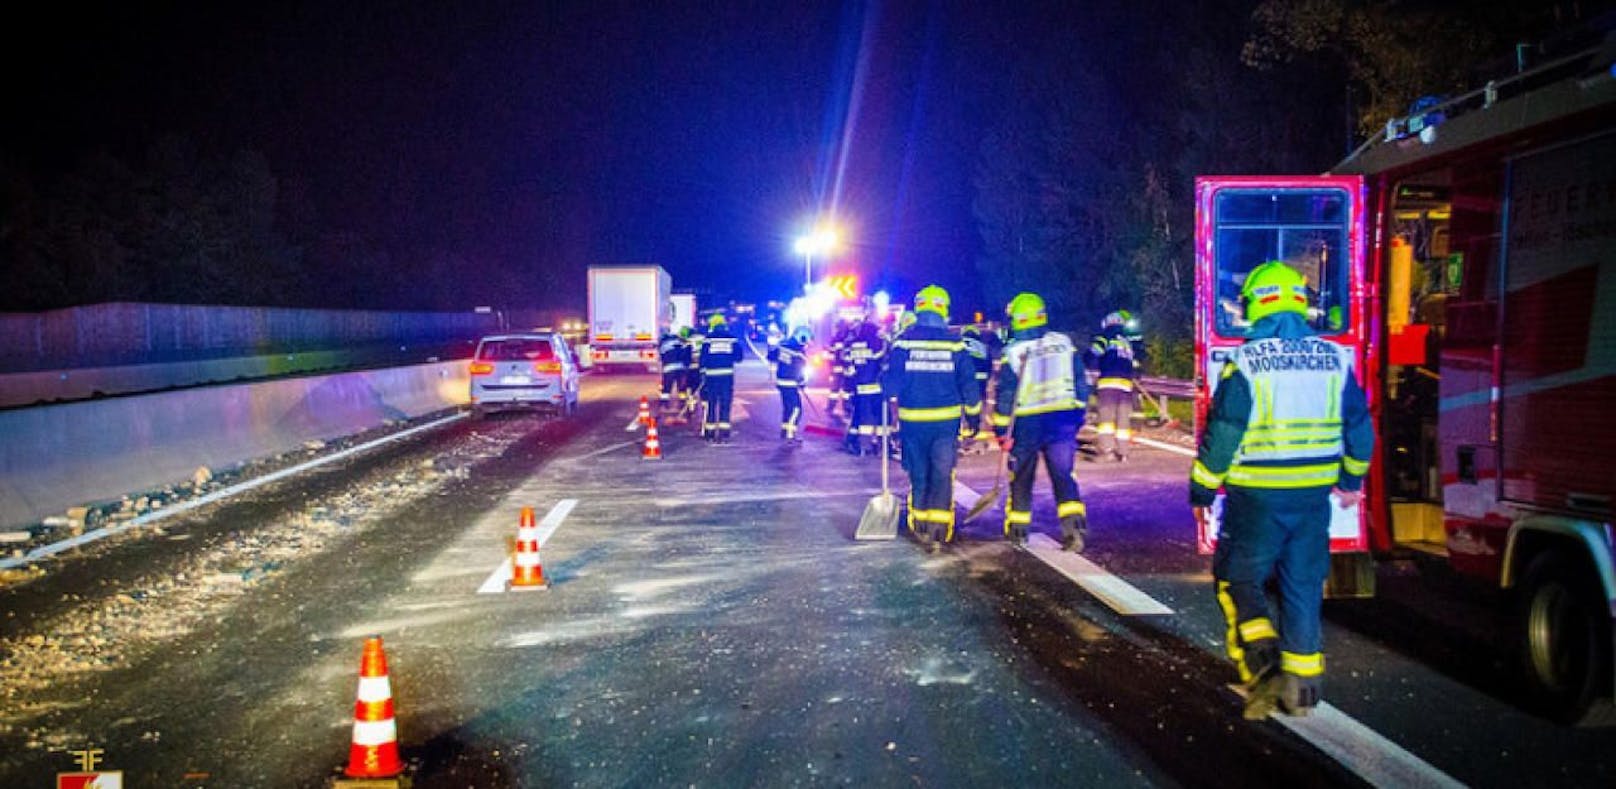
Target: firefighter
1041, 383
720, 351
789, 357
866, 353
693, 342
931, 375
1287, 426
972, 433
837, 402
673, 351
1112, 354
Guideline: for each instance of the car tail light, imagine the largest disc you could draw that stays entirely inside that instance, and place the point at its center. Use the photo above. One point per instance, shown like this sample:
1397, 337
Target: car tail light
600, 354
482, 368
648, 354
547, 367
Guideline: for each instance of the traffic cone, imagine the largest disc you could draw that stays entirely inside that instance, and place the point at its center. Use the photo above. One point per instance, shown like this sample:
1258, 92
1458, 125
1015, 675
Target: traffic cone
653, 445
526, 570
374, 752
645, 410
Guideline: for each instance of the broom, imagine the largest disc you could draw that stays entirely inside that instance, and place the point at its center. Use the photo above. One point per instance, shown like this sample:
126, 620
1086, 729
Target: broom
880, 518
992, 496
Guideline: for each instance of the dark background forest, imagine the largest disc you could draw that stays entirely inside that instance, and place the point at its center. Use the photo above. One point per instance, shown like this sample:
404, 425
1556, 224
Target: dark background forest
437, 158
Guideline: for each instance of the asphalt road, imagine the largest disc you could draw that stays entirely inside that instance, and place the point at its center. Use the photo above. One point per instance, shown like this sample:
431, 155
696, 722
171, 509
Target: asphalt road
710, 621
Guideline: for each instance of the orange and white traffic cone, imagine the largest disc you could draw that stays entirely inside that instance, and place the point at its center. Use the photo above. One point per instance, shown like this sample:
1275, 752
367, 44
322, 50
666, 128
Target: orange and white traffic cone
527, 572
374, 752
653, 445
645, 410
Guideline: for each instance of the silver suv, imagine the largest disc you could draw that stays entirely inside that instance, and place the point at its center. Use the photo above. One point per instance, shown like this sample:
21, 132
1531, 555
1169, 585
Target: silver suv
524, 370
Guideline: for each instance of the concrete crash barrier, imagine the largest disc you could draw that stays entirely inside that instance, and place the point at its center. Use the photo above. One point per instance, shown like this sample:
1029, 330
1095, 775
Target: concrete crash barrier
53, 457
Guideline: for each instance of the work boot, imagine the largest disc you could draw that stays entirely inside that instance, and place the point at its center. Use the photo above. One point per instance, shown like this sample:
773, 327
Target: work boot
1262, 660
1264, 697
1297, 696
1018, 534
851, 446
1074, 529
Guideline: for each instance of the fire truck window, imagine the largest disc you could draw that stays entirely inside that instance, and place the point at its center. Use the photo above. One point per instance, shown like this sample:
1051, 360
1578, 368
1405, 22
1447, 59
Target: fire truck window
1305, 228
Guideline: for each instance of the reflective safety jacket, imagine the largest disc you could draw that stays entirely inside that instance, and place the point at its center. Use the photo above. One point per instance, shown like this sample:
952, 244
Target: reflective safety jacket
693, 345
1050, 382
788, 358
1288, 414
981, 362
931, 374
838, 351
720, 351
866, 352
1113, 356
674, 352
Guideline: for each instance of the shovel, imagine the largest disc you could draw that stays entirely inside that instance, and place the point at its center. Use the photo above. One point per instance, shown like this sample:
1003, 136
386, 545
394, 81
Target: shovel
880, 519
992, 497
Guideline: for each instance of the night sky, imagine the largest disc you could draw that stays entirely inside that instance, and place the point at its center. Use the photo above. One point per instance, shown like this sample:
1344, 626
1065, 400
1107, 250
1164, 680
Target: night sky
523, 135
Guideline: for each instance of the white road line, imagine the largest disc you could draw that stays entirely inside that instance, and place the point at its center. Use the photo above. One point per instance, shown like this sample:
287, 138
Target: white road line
964, 496
1377, 760
1123, 597
223, 493
603, 451
1177, 450
499, 580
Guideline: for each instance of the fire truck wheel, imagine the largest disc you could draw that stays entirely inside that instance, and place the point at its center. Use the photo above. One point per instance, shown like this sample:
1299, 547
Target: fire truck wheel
1565, 627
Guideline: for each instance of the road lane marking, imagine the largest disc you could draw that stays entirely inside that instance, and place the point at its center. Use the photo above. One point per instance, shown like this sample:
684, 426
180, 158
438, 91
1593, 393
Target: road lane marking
223, 493
499, 580
1360, 749
604, 451
1122, 597
1186, 452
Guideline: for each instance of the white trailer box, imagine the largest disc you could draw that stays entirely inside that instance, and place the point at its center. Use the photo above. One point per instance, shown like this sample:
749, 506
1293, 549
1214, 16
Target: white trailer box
684, 311
629, 306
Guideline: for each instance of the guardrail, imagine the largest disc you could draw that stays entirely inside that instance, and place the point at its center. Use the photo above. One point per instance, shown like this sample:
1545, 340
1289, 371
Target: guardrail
1167, 387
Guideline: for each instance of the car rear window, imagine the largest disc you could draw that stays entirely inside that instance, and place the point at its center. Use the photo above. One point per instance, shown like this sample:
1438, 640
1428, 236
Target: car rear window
516, 350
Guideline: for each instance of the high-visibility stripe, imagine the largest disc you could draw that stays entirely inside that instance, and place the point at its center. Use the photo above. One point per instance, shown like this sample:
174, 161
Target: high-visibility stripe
1204, 476
1069, 404
1231, 636
1012, 516
1124, 433
973, 410
717, 371
1356, 468
375, 732
931, 345
981, 376
374, 689
785, 383
1284, 476
1125, 384
1257, 629
1308, 665
1068, 508
866, 430
938, 414
1106, 428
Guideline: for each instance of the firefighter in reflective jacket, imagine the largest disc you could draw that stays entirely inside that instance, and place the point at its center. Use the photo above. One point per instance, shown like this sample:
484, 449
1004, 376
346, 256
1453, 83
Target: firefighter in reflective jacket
789, 357
693, 343
1041, 382
673, 351
1113, 355
930, 374
719, 353
1288, 424
837, 399
982, 369
866, 353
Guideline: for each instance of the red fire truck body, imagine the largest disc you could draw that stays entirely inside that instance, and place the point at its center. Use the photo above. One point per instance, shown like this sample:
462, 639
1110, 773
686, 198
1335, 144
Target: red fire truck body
1468, 256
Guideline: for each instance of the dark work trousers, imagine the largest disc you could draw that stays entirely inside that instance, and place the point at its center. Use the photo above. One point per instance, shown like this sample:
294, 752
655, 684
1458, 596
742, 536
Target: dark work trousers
719, 390
1282, 535
866, 417
670, 382
1057, 442
929, 450
790, 409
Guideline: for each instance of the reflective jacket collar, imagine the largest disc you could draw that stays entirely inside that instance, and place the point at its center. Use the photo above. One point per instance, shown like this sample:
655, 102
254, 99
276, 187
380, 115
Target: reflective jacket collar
1284, 325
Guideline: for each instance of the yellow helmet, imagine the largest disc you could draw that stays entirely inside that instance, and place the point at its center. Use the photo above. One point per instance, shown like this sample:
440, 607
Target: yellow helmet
717, 320
1274, 287
1026, 311
932, 299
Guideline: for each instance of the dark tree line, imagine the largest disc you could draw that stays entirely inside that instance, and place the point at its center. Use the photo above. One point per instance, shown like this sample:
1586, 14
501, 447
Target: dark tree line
1087, 181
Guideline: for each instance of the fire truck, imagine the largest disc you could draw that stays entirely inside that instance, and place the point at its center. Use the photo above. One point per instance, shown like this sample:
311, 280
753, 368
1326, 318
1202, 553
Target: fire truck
1467, 255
